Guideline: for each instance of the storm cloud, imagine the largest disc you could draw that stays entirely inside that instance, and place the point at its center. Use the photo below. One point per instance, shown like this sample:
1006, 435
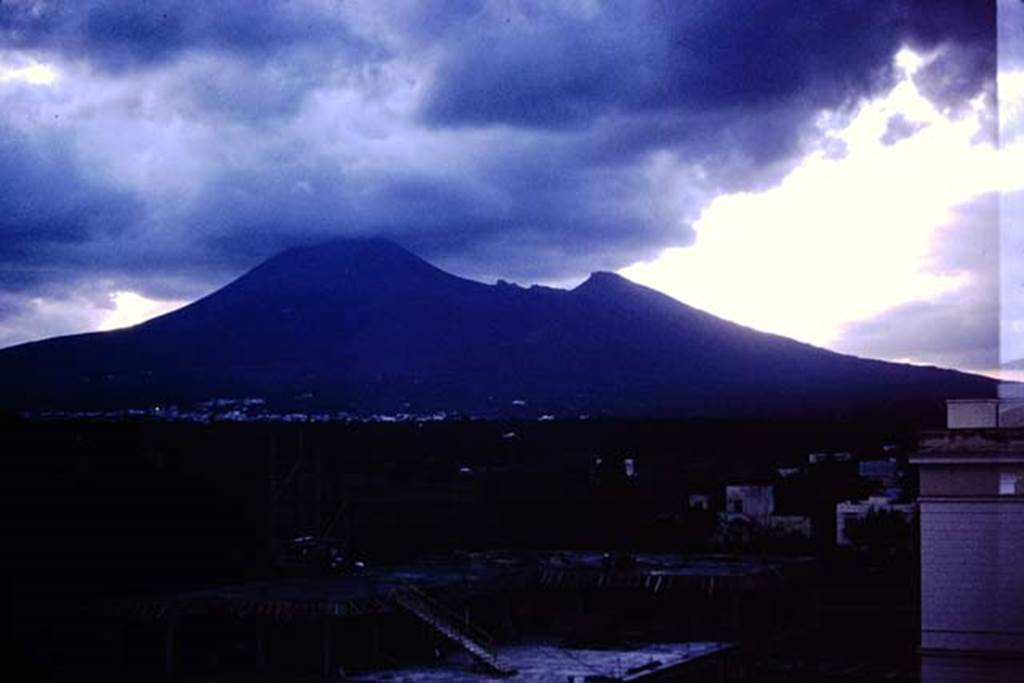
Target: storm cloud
181, 143
121, 35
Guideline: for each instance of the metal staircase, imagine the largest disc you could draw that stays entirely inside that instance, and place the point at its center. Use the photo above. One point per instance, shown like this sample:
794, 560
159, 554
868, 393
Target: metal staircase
446, 622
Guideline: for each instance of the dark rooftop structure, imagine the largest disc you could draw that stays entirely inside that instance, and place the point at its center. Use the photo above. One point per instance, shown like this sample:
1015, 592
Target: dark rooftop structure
560, 616
544, 662
366, 591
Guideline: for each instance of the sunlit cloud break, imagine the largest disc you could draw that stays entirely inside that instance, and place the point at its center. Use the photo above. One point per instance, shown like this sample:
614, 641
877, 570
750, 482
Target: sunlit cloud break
846, 235
131, 308
33, 74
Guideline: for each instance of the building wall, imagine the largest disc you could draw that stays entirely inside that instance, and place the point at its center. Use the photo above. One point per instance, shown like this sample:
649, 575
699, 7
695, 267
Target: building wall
959, 480
972, 575
966, 480
752, 501
972, 414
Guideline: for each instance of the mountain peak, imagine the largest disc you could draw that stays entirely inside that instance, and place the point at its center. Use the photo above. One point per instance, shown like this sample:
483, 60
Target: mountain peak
353, 256
602, 280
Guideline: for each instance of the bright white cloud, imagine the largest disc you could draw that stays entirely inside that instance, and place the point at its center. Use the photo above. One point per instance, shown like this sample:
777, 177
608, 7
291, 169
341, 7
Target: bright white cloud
840, 240
131, 308
33, 74
88, 309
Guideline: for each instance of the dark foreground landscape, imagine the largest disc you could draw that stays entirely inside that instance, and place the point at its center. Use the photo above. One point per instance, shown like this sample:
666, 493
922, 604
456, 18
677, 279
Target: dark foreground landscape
564, 541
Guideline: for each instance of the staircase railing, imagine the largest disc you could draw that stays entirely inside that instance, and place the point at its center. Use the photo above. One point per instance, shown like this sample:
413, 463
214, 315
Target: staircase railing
450, 624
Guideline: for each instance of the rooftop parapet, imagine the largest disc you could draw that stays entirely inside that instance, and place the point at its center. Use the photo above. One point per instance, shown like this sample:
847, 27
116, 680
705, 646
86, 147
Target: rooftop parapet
971, 445
1006, 411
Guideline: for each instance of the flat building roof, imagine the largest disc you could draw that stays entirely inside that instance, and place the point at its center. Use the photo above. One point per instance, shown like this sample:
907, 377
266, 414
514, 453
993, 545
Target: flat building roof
548, 662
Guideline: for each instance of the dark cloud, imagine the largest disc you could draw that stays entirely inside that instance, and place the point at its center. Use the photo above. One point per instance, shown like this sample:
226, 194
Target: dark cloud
933, 22
538, 66
536, 198
51, 205
121, 34
952, 78
957, 330
539, 140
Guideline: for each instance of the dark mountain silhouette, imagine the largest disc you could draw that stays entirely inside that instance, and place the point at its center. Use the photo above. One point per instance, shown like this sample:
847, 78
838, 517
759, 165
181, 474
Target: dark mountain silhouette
365, 326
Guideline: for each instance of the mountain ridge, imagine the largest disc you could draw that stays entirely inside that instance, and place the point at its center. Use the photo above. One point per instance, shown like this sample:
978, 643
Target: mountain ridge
363, 325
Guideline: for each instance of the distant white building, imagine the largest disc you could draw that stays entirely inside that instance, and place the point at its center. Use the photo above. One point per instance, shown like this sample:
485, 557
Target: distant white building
850, 512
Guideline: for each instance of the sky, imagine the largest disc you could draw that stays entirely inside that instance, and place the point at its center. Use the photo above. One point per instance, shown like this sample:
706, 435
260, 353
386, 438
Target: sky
829, 170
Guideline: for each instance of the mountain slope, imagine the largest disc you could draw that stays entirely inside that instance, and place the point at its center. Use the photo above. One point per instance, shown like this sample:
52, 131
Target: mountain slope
362, 325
